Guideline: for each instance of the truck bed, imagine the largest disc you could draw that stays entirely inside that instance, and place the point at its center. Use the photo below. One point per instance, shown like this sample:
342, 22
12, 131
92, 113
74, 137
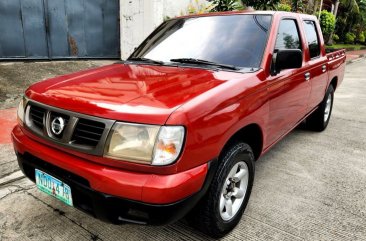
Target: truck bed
336, 64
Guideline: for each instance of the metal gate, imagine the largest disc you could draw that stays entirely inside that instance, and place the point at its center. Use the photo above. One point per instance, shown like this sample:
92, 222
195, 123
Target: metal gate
58, 29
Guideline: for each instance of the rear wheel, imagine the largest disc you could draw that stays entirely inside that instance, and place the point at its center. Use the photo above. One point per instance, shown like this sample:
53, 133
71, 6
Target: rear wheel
222, 207
319, 119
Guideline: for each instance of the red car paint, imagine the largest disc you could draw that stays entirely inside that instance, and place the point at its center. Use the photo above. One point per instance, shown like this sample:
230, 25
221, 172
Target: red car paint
212, 105
132, 185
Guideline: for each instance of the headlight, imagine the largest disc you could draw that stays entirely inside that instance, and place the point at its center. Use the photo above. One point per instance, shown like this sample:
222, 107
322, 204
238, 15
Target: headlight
147, 144
21, 110
132, 142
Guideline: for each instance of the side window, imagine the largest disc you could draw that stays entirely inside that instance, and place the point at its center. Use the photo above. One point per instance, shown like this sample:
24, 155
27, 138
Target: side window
312, 38
288, 35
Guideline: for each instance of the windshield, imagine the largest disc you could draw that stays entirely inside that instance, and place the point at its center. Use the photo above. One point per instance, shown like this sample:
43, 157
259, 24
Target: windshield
237, 40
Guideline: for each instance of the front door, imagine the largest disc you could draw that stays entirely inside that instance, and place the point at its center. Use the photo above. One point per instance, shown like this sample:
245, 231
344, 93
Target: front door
289, 90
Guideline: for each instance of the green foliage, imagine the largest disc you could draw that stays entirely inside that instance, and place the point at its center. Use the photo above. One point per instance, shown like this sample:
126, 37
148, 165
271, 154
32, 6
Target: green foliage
361, 37
197, 7
327, 22
335, 37
226, 5
283, 7
261, 4
350, 38
351, 5
297, 6
351, 17
350, 47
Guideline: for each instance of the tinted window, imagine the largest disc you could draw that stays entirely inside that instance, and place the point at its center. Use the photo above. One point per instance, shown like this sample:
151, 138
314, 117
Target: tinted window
236, 40
312, 38
288, 35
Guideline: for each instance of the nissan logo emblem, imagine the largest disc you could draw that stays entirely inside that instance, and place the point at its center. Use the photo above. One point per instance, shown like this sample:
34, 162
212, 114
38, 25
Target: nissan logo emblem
57, 125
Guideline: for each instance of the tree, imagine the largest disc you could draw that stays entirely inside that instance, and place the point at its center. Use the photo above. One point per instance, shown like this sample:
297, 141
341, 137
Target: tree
261, 4
225, 5
327, 23
283, 7
335, 11
297, 6
346, 17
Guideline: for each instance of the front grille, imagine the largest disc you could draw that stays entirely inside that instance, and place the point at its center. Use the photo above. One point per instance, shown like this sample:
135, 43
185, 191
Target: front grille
36, 115
80, 132
66, 118
88, 132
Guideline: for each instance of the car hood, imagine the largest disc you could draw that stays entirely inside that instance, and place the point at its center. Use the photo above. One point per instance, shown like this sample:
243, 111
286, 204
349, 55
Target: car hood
128, 92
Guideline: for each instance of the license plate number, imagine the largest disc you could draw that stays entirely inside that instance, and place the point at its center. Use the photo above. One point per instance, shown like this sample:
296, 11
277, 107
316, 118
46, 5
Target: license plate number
54, 187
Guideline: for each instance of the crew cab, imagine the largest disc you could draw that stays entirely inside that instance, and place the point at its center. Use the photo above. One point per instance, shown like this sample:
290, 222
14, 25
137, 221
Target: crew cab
175, 129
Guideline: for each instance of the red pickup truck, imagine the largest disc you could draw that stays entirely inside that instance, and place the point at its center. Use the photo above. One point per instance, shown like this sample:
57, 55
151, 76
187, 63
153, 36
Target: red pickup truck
175, 130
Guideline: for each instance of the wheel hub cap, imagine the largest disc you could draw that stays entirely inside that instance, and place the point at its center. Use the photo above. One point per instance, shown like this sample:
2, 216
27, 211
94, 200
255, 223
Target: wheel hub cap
234, 190
327, 108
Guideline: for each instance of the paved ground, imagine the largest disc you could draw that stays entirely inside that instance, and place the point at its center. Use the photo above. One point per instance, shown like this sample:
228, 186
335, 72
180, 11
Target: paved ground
310, 186
352, 55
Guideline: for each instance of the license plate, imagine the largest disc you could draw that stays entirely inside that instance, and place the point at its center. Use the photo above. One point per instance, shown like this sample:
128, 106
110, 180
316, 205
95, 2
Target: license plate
54, 187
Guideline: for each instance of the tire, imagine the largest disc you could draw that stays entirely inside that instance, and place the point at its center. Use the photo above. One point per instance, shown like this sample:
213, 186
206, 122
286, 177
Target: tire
319, 119
207, 215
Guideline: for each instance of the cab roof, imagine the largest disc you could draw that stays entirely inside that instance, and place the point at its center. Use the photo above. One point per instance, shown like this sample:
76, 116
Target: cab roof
244, 12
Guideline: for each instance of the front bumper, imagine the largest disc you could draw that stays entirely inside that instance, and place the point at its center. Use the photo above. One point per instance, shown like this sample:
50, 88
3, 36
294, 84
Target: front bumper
115, 195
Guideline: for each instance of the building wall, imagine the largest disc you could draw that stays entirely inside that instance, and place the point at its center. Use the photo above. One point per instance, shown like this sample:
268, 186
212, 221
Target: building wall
138, 18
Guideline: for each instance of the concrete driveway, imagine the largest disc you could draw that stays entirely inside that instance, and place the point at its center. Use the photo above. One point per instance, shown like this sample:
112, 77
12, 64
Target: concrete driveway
310, 186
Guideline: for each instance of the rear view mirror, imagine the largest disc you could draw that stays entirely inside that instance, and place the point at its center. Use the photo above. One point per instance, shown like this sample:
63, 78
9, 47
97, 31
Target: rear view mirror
288, 59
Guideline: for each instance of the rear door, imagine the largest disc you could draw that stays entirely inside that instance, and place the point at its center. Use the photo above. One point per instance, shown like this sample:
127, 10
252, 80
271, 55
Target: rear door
316, 63
289, 90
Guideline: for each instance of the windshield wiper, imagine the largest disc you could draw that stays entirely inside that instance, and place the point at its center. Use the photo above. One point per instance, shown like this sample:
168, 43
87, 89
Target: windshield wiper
147, 60
204, 62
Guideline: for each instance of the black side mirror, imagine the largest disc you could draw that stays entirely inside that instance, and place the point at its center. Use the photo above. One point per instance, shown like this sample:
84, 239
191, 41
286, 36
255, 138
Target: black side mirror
287, 59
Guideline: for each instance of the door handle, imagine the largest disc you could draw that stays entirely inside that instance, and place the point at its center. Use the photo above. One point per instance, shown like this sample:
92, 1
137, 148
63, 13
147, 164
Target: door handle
324, 68
307, 76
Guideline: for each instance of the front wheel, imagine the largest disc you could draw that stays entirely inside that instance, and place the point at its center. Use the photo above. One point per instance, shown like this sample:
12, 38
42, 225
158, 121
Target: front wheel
319, 119
222, 207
